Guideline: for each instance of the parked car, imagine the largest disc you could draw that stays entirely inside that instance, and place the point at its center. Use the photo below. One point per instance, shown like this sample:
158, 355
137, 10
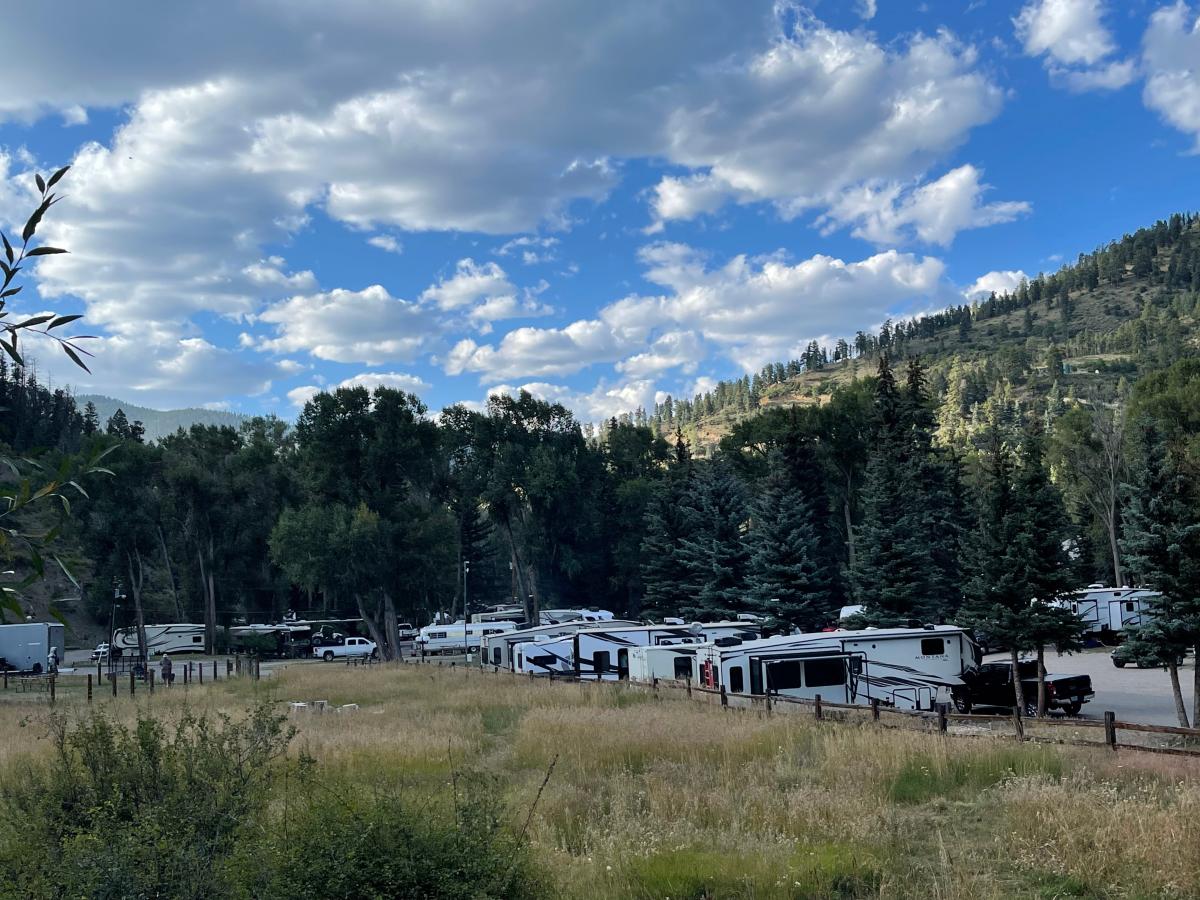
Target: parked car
407, 632
1143, 659
992, 685
100, 654
352, 647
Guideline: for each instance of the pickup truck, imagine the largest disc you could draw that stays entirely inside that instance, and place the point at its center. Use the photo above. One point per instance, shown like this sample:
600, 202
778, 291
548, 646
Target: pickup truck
992, 685
353, 647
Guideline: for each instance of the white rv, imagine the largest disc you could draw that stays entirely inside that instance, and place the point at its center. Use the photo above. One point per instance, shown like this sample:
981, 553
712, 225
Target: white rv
908, 668
1109, 610
498, 648
672, 662
603, 653
170, 638
562, 616
450, 638
25, 646
545, 656
509, 613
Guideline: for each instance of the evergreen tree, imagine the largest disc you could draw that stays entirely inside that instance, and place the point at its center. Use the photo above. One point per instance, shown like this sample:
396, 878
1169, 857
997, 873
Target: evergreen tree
1162, 548
667, 582
715, 552
786, 578
118, 425
91, 419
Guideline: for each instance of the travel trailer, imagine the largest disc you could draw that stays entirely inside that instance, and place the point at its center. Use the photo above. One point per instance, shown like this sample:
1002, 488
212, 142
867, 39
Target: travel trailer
1107, 610
509, 613
24, 647
908, 668
450, 638
498, 648
562, 616
547, 656
170, 638
603, 653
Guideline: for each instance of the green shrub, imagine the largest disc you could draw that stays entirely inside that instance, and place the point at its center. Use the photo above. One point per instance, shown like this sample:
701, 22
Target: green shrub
925, 777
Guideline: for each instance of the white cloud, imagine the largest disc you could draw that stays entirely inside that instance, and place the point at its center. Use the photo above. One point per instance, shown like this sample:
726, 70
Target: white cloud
270, 272
935, 212
867, 9
538, 351
386, 243
532, 250
675, 349
400, 381
368, 326
602, 402
998, 282
1171, 60
298, 396
1074, 40
469, 284
1069, 31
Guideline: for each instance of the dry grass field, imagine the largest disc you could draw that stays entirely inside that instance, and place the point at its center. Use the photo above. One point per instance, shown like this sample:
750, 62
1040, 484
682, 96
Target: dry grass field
665, 797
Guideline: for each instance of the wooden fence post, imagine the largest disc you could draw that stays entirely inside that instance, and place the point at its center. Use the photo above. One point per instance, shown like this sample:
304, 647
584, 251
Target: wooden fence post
114, 683
724, 697
53, 679
875, 709
768, 704
817, 707
257, 668
99, 672
214, 670
200, 669
150, 680
1110, 730
6, 676
228, 667
131, 683
942, 723
1018, 724
89, 694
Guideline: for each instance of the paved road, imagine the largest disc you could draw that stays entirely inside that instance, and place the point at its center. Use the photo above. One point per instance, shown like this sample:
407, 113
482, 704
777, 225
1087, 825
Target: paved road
1135, 695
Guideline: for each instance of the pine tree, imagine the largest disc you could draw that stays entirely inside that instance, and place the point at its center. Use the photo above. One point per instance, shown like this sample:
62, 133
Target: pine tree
118, 425
786, 578
667, 581
715, 551
91, 419
1161, 544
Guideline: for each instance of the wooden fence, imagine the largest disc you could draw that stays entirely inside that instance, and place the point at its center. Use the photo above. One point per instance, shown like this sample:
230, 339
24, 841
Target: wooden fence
1111, 732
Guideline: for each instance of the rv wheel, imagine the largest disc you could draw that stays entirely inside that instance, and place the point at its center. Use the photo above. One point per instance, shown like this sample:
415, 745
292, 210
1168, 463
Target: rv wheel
327, 656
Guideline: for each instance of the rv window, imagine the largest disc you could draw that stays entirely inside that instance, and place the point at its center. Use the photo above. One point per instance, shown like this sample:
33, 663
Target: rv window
546, 660
933, 647
783, 675
737, 684
1128, 606
623, 663
436, 635
600, 661
1075, 607
683, 668
495, 656
198, 639
824, 672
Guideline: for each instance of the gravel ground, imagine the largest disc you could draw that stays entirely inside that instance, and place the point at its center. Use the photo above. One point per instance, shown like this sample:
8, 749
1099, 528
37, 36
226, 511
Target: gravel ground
1135, 695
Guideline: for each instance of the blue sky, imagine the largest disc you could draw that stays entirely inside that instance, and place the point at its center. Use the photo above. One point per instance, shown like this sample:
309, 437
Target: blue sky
604, 203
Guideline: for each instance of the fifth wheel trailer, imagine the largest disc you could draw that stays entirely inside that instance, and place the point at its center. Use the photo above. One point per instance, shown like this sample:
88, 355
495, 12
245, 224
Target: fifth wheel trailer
908, 668
26, 645
1107, 610
603, 653
498, 649
179, 637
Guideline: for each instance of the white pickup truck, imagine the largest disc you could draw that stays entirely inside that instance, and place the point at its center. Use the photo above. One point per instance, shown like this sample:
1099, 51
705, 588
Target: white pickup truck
354, 646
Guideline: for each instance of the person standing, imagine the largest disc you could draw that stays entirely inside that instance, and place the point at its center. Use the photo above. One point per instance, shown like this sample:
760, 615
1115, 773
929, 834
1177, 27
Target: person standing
52, 661
166, 665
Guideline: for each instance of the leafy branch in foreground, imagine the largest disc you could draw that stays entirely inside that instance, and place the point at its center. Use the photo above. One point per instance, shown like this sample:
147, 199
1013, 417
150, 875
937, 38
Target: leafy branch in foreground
27, 481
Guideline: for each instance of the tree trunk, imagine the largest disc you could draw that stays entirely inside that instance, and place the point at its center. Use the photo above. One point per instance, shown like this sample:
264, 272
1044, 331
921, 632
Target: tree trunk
849, 522
1177, 692
162, 543
1041, 670
208, 586
1110, 525
372, 626
391, 627
1196, 685
520, 574
135, 587
1018, 688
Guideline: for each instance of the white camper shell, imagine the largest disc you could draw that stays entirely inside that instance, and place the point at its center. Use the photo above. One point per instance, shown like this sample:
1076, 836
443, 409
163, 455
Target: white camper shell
1107, 610
603, 653
907, 668
450, 638
498, 649
179, 637
25, 646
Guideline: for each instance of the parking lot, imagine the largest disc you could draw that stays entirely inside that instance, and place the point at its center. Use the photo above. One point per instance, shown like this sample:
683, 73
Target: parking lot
1135, 695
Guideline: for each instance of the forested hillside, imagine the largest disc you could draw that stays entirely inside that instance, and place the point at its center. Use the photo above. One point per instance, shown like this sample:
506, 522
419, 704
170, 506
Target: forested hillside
158, 423
952, 465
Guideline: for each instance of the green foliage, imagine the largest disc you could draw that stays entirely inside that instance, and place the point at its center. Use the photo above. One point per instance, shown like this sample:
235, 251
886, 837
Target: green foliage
714, 553
925, 778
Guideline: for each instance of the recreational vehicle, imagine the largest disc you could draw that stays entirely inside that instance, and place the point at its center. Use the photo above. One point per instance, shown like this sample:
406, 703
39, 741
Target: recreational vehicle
546, 656
672, 662
508, 613
908, 668
450, 638
603, 653
25, 646
1106, 610
498, 648
173, 638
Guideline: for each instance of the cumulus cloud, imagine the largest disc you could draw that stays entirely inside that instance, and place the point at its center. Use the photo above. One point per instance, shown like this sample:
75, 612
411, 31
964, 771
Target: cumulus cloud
998, 282
538, 351
602, 402
1171, 59
934, 212
675, 349
1072, 37
469, 284
386, 243
531, 250
368, 326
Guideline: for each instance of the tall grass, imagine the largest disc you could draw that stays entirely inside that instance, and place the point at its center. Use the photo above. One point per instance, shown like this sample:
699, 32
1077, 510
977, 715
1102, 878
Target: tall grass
658, 796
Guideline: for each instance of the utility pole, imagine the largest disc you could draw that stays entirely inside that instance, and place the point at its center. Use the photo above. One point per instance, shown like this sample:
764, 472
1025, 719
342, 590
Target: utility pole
466, 608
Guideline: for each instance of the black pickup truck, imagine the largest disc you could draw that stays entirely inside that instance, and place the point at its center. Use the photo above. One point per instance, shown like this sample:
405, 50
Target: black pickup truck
992, 685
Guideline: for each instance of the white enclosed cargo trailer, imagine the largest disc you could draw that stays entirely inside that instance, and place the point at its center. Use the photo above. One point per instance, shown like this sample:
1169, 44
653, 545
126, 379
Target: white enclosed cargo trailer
674, 662
25, 646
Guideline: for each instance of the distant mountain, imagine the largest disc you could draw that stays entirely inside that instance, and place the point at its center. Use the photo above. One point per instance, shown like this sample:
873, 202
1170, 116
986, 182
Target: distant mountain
159, 422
